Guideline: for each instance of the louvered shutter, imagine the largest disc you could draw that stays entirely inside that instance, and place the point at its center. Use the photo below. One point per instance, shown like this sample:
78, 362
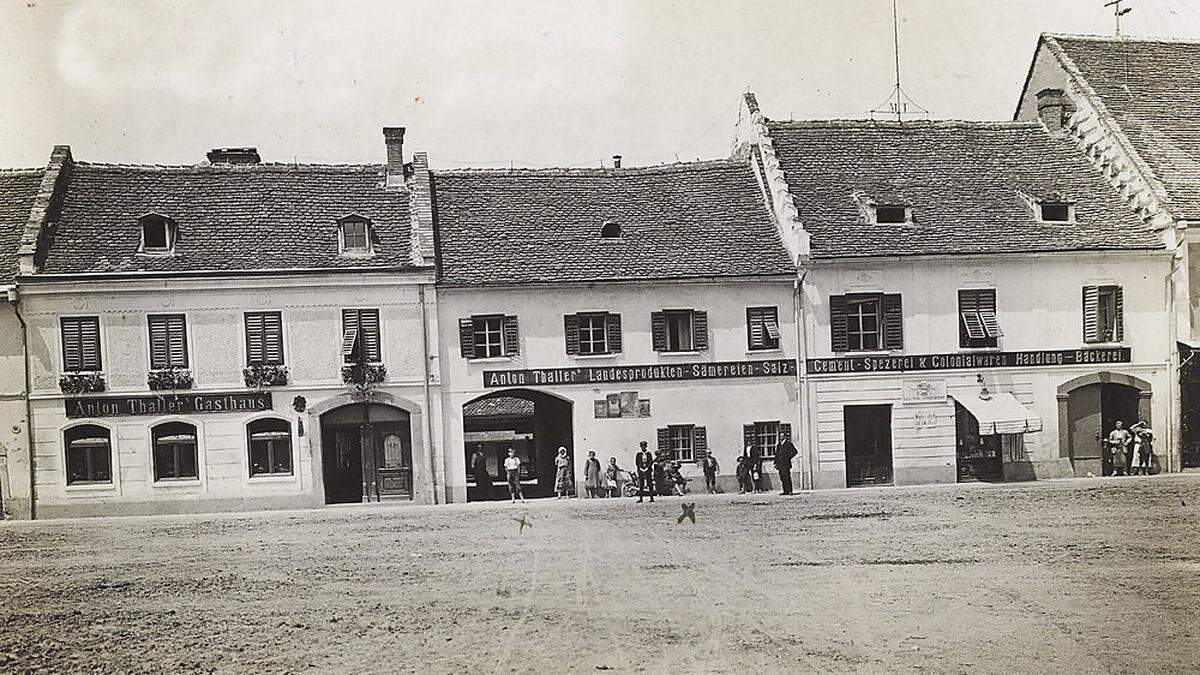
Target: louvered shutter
837, 323
368, 329
1119, 319
512, 338
466, 338
699, 443
177, 341
72, 357
699, 330
1091, 311
612, 326
89, 343
664, 441
273, 338
571, 332
658, 331
987, 313
351, 342
255, 349
159, 349
893, 322
755, 328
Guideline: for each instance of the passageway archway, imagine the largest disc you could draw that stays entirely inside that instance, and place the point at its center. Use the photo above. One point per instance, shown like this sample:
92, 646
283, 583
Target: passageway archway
533, 423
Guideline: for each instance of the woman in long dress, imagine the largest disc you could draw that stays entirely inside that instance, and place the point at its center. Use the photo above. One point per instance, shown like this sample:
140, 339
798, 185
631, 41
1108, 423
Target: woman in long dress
562, 478
592, 478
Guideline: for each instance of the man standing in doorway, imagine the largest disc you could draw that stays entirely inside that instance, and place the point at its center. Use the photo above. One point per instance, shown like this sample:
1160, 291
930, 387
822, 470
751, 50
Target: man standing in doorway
645, 471
784, 452
1118, 445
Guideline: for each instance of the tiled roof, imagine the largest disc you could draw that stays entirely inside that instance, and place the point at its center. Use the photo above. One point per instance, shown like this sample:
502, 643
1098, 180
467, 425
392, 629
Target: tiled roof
502, 406
229, 217
17, 191
971, 186
1151, 88
701, 219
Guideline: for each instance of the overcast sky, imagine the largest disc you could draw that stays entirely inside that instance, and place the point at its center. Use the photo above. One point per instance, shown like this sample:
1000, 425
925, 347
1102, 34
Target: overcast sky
497, 81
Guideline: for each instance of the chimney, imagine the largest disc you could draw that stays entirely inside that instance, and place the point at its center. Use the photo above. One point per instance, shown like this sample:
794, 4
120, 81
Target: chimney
616, 161
393, 137
1052, 109
234, 156
420, 204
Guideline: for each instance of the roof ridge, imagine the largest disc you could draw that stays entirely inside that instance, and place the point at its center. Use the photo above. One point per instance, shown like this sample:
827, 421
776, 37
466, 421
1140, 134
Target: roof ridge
594, 171
221, 168
1119, 38
32, 171
908, 124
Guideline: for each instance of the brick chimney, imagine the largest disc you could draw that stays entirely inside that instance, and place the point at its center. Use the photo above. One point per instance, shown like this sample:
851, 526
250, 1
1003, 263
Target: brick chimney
1053, 110
420, 205
393, 137
248, 155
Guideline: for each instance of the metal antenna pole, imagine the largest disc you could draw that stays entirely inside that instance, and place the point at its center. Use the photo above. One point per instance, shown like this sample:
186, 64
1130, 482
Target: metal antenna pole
896, 43
1118, 12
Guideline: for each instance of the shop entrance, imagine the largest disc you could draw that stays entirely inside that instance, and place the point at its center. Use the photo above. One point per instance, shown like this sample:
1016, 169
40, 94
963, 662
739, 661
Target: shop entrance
366, 454
978, 457
868, 434
1092, 412
533, 423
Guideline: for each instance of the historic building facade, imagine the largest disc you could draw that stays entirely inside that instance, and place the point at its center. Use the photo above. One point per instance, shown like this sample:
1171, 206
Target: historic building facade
978, 302
592, 309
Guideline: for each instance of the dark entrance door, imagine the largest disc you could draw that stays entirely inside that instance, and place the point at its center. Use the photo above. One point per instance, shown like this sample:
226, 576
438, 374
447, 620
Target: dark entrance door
1092, 412
868, 435
534, 424
978, 457
342, 465
366, 454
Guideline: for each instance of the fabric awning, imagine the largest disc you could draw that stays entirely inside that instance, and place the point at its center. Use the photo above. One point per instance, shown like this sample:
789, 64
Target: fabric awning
1001, 413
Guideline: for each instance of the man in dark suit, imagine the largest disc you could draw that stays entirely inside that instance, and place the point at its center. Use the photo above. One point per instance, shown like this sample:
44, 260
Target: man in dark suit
784, 453
645, 471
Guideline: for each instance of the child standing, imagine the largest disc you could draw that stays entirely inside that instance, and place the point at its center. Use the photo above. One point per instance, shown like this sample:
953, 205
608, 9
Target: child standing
745, 482
512, 467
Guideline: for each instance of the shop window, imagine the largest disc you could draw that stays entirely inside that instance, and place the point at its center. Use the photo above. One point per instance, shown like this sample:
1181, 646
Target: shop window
158, 234
489, 336
80, 343
264, 338
355, 237
683, 442
174, 451
866, 322
592, 333
1103, 310
270, 443
764, 437
360, 335
762, 327
679, 330
168, 341
89, 454
977, 323
892, 213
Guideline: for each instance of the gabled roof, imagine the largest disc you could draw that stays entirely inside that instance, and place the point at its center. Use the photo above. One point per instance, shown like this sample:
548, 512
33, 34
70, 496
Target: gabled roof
691, 220
1151, 89
18, 188
229, 218
972, 187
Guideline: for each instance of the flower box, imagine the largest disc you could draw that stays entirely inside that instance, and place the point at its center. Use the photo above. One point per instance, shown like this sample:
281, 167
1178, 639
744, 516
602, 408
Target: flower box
81, 383
169, 379
361, 374
262, 375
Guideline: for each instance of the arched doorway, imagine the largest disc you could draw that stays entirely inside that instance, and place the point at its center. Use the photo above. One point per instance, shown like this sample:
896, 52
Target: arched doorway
1089, 408
533, 423
366, 453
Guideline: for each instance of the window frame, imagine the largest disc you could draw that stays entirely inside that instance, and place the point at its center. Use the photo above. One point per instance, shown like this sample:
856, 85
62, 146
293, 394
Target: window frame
168, 231
69, 436
862, 333
1109, 304
160, 431
62, 334
982, 306
359, 340
763, 431
344, 247
1067, 207
904, 210
150, 318
258, 427
672, 317
764, 315
265, 333
598, 321
481, 325
686, 432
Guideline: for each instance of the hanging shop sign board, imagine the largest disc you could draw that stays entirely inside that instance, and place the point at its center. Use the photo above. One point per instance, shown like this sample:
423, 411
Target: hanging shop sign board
168, 404
970, 361
712, 370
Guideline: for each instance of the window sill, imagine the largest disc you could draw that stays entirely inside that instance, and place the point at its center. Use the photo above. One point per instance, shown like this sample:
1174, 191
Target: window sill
491, 359
356, 254
764, 352
688, 353
871, 352
176, 482
595, 357
84, 486
273, 478
1102, 345
973, 350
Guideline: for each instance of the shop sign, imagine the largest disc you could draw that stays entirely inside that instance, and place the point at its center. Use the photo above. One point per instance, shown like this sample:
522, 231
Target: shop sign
625, 405
925, 420
971, 361
712, 370
170, 404
924, 391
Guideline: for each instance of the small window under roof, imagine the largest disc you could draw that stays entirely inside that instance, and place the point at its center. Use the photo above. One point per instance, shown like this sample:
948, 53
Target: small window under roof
610, 230
158, 233
1055, 212
355, 235
891, 213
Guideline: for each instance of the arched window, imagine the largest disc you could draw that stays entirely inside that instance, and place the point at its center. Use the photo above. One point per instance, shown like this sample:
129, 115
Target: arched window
89, 454
270, 442
174, 451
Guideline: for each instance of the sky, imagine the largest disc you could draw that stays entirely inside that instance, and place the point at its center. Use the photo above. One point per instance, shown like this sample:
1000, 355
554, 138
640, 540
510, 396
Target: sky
499, 83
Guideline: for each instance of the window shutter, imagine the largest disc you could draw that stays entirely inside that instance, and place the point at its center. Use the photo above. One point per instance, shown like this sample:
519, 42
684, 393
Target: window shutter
754, 327
747, 436
255, 349
1119, 319
273, 337
658, 331
785, 431
158, 342
571, 332
612, 326
664, 440
89, 343
699, 443
512, 338
893, 322
1091, 310
368, 328
177, 341
837, 323
699, 330
72, 345
466, 338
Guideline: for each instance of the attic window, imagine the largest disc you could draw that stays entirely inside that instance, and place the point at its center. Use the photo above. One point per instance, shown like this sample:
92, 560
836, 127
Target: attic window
1056, 212
355, 236
610, 230
158, 234
891, 213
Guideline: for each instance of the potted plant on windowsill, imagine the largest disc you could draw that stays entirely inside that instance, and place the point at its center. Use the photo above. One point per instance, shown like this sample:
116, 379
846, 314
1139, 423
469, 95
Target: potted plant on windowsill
169, 379
363, 374
265, 375
81, 383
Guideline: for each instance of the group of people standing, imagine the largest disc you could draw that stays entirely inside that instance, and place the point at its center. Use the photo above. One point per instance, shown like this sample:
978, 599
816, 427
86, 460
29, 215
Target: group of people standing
1131, 450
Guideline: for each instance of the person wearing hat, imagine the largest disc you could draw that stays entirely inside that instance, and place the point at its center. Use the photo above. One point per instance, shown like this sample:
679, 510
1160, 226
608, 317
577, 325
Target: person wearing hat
645, 472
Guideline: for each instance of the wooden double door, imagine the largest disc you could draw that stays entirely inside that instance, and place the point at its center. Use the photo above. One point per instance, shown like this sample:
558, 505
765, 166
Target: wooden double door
367, 461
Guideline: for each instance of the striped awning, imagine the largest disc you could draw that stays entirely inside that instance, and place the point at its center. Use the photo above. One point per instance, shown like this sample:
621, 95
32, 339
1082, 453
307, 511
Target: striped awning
999, 413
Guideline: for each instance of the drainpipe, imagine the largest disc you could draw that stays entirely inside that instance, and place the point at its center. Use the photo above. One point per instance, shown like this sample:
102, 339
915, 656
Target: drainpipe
431, 481
806, 458
1174, 412
14, 299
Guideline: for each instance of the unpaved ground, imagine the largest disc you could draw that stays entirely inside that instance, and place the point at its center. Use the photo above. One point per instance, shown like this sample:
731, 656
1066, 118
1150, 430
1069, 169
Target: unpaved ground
1082, 576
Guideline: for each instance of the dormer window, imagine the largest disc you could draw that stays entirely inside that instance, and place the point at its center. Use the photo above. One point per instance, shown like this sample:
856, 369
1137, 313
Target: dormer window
1056, 211
892, 213
158, 234
355, 236
610, 230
